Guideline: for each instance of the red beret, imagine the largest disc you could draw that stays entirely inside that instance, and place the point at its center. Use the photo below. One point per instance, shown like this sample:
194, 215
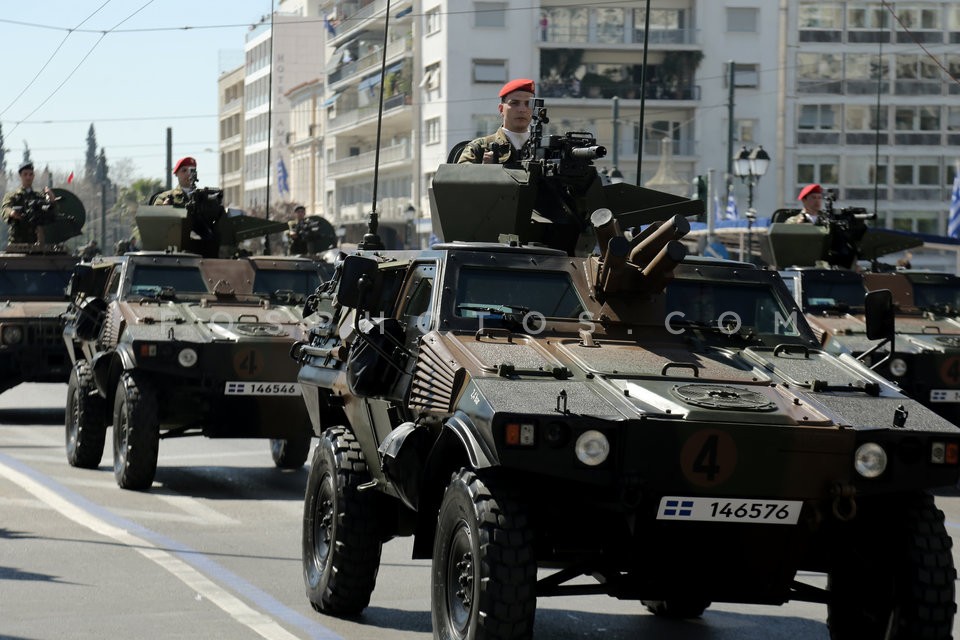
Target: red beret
807, 190
184, 162
520, 84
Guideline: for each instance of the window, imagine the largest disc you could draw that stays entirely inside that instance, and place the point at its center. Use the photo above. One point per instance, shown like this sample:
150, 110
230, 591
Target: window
814, 16
742, 20
917, 67
918, 18
609, 25
490, 14
862, 171
863, 118
819, 72
864, 66
433, 130
568, 24
820, 169
819, 116
916, 171
493, 293
490, 71
431, 77
917, 119
746, 76
746, 131
953, 118
873, 16
432, 19
485, 125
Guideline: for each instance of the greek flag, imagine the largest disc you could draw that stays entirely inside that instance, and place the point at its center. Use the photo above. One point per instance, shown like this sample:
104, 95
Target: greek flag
731, 212
953, 224
283, 185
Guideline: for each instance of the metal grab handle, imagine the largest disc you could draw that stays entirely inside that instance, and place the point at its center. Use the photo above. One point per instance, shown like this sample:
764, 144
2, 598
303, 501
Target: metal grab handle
787, 348
681, 365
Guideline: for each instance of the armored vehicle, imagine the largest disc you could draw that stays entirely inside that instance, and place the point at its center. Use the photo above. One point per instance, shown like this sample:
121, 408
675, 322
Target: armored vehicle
668, 425
33, 297
168, 344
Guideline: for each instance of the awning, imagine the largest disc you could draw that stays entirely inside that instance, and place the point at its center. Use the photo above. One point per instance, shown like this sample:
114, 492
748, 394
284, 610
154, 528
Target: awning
395, 68
334, 62
369, 82
332, 99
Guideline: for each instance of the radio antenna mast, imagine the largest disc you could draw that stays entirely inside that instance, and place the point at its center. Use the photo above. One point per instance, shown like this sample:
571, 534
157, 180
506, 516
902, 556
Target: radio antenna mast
371, 240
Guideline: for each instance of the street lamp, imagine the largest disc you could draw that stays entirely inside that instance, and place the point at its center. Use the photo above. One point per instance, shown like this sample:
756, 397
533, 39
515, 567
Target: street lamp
749, 165
409, 215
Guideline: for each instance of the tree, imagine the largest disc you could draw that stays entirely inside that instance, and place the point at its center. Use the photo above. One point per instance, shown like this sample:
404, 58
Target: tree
90, 165
26, 152
3, 153
102, 169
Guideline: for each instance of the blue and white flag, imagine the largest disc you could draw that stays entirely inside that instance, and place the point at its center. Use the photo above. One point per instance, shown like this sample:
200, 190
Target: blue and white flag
331, 29
283, 185
731, 212
953, 223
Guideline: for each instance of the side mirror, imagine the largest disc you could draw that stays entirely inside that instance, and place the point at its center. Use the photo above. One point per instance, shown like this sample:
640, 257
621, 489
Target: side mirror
80, 280
878, 308
358, 276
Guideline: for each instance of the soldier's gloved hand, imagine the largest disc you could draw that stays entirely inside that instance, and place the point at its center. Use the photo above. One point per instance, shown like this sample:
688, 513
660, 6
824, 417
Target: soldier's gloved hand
488, 157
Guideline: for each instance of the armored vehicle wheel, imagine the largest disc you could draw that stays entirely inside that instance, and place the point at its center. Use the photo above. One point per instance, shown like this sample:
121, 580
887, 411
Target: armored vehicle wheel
290, 453
86, 429
484, 570
341, 541
676, 609
136, 432
896, 579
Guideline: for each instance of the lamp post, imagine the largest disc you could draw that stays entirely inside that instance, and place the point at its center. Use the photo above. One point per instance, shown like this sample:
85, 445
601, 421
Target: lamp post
749, 165
409, 215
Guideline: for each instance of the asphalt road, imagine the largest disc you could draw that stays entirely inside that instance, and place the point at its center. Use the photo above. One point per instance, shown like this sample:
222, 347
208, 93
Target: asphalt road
213, 551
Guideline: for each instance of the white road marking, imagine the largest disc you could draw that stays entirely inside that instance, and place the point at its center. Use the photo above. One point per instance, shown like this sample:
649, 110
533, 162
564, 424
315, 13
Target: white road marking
257, 622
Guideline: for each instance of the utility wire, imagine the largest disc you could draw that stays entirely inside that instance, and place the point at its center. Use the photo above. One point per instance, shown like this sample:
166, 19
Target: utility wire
78, 65
52, 55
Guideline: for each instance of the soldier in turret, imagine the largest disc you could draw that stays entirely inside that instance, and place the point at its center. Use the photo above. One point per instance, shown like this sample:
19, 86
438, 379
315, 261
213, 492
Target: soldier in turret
502, 147
186, 172
26, 210
812, 198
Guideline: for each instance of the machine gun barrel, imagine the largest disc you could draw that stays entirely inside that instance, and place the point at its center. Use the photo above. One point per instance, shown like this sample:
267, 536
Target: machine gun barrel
588, 153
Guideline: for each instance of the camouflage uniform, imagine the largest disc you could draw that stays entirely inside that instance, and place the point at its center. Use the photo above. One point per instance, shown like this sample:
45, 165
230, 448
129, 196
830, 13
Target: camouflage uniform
179, 196
22, 230
801, 218
473, 152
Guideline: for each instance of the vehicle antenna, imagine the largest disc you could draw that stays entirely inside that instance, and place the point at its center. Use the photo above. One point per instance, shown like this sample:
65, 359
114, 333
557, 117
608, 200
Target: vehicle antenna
371, 240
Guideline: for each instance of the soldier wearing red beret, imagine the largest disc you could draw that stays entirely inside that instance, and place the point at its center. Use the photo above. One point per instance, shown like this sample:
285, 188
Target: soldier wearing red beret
812, 198
502, 147
186, 172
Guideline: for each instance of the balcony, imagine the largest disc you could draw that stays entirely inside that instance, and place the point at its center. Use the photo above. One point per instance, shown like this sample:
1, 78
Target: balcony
623, 90
652, 148
364, 161
360, 114
347, 71
658, 37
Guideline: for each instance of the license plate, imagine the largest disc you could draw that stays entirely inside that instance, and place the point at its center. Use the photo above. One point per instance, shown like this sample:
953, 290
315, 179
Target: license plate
944, 395
725, 510
262, 389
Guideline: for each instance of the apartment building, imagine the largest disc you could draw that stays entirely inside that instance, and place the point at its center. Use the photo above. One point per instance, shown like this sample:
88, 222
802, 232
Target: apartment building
816, 83
230, 116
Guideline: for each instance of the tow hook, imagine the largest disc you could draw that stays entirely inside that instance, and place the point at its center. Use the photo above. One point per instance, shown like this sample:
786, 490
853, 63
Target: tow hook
844, 502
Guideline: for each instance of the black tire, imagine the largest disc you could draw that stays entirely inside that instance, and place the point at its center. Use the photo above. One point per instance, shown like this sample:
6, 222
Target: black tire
136, 432
341, 532
290, 453
675, 609
86, 428
484, 568
896, 570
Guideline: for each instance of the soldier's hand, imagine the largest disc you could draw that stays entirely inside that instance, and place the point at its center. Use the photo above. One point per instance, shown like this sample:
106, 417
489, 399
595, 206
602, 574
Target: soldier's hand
488, 157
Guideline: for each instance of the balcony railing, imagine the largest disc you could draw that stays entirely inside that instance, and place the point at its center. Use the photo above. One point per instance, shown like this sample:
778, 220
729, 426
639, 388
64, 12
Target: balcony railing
372, 59
617, 37
359, 114
358, 19
355, 164
624, 91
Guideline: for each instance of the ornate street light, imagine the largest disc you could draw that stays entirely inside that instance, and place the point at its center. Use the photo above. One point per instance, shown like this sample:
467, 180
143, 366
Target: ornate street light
749, 165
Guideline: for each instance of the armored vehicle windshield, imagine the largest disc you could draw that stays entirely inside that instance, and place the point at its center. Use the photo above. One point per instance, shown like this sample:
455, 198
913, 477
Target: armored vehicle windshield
35, 283
482, 292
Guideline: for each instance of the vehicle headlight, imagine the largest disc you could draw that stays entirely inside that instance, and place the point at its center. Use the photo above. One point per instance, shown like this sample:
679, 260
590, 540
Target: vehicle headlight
187, 357
870, 460
592, 448
12, 334
898, 367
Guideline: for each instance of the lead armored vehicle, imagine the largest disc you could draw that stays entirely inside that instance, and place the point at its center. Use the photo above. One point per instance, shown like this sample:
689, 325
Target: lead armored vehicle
664, 424
167, 343
33, 297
